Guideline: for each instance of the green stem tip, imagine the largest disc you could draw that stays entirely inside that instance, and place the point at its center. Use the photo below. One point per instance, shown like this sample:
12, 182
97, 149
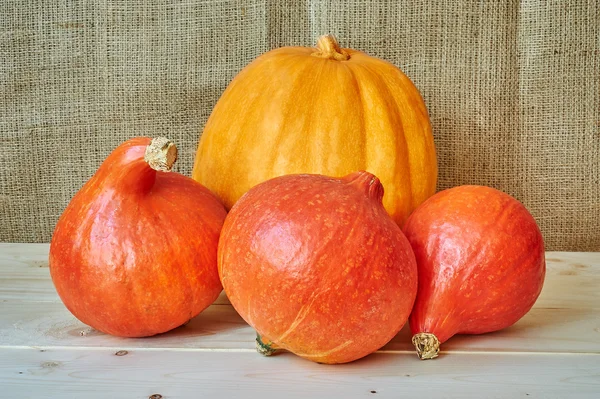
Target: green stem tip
263, 348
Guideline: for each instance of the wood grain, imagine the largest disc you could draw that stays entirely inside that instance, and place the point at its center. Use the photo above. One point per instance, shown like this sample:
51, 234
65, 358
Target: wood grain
554, 351
175, 374
220, 327
25, 276
572, 278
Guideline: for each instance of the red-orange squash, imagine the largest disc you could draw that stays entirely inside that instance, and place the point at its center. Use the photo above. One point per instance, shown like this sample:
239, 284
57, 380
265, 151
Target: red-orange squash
135, 252
323, 110
480, 256
317, 266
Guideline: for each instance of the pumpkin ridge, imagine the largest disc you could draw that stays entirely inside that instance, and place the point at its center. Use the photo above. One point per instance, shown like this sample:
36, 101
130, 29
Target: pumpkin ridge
203, 163
414, 98
236, 150
317, 123
317, 136
361, 108
396, 126
404, 141
299, 82
425, 131
155, 220
398, 113
158, 220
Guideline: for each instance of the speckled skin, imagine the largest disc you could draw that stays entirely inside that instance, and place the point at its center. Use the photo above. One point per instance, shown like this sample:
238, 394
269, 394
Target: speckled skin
480, 256
134, 253
317, 267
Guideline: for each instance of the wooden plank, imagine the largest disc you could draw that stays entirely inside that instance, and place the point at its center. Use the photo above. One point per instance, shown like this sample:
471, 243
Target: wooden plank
220, 327
571, 281
570, 321
24, 274
175, 374
24, 251
51, 324
572, 278
554, 351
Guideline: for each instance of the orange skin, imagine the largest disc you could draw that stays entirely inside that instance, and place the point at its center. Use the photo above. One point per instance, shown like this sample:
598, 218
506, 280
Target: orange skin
481, 262
134, 253
317, 266
324, 110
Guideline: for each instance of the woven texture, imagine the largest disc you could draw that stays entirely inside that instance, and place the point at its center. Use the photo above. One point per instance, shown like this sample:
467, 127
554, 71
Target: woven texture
513, 90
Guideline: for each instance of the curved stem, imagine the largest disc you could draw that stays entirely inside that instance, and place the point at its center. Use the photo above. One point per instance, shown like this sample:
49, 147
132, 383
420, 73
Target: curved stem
133, 165
161, 154
328, 47
265, 349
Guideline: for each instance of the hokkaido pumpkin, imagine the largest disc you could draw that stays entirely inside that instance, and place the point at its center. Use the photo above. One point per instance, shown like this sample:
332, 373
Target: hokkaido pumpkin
135, 252
317, 266
327, 111
480, 256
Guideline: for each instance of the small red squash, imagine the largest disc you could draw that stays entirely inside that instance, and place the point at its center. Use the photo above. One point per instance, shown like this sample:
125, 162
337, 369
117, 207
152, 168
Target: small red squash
135, 252
317, 266
480, 256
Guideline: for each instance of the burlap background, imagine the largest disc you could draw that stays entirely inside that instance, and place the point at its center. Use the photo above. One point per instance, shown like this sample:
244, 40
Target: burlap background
513, 90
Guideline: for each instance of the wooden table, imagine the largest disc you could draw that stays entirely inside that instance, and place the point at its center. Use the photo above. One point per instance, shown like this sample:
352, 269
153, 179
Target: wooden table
45, 352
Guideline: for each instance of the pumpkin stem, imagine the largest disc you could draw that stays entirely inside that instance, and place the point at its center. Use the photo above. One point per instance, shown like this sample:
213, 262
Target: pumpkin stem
367, 183
427, 345
328, 47
265, 349
161, 154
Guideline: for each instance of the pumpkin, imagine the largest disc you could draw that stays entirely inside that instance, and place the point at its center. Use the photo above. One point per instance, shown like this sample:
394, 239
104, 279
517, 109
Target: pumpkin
327, 111
135, 252
480, 257
317, 266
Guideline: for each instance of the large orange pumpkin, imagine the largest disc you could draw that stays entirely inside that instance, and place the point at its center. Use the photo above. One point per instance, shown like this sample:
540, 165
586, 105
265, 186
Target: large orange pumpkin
325, 111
